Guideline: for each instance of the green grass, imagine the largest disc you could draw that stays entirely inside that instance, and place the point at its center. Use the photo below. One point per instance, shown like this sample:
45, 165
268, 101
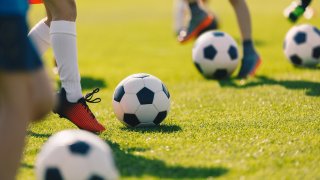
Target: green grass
266, 127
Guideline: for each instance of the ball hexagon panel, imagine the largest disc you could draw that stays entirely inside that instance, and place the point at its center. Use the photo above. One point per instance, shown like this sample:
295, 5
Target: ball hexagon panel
300, 37
131, 120
146, 113
198, 66
79, 148
133, 85
145, 96
53, 173
130, 103
218, 34
153, 83
316, 52
95, 177
233, 53
140, 75
209, 52
165, 90
161, 101
118, 93
295, 59
220, 74
160, 117
317, 31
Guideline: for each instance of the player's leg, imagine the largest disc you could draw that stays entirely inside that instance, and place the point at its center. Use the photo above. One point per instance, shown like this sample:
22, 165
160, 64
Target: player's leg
39, 34
180, 12
200, 20
251, 59
63, 40
23, 93
21, 100
14, 119
42, 94
298, 11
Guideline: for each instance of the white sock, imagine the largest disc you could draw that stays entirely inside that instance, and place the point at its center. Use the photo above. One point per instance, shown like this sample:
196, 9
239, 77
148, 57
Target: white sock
40, 37
180, 9
64, 44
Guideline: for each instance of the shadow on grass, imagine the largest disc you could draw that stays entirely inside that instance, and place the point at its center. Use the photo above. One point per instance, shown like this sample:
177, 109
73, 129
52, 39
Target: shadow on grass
38, 135
159, 129
312, 88
137, 166
89, 83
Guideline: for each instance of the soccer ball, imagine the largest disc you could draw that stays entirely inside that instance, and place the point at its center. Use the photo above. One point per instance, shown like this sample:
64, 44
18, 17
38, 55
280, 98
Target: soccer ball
75, 154
302, 45
215, 54
141, 100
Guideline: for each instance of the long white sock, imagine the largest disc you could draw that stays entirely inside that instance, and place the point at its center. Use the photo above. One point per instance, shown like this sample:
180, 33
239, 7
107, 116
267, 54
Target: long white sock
40, 37
64, 44
180, 10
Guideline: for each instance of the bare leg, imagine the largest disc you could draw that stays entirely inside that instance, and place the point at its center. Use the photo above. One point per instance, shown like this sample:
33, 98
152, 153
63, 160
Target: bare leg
23, 96
251, 60
243, 17
13, 122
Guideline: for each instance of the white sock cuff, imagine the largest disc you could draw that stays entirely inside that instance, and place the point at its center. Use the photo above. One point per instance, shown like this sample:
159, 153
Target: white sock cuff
63, 27
42, 30
73, 89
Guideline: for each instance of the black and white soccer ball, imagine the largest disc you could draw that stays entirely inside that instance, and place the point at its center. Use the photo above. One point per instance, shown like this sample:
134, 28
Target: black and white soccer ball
215, 54
141, 100
302, 45
75, 154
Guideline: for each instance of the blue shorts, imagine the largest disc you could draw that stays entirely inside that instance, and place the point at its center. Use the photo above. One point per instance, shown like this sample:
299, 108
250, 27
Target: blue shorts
16, 50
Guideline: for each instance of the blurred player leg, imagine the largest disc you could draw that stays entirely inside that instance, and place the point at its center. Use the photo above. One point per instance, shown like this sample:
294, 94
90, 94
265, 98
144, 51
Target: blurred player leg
24, 93
181, 14
295, 10
251, 59
200, 20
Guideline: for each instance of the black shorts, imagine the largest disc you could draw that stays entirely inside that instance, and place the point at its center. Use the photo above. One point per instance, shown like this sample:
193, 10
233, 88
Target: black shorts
16, 50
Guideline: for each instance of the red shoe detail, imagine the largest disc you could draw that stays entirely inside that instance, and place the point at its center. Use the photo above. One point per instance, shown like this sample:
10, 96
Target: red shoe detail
83, 118
205, 23
253, 72
79, 113
35, 1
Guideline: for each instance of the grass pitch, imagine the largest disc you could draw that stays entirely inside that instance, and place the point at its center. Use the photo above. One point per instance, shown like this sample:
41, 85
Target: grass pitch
267, 127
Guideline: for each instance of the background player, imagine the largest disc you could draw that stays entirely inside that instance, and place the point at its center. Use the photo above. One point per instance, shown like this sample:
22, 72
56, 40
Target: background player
25, 93
201, 19
297, 10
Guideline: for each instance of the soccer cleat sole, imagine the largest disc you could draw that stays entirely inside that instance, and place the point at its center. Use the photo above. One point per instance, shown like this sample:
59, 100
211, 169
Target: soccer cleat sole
204, 24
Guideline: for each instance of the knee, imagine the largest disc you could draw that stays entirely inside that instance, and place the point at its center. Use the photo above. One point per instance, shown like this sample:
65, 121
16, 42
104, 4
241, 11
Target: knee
62, 10
42, 96
43, 104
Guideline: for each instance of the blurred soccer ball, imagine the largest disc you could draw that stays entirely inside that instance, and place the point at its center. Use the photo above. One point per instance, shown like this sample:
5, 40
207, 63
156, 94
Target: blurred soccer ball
215, 54
75, 154
302, 45
141, 100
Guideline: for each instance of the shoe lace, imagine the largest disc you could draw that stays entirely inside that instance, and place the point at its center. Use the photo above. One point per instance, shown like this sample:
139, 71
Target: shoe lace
88, 98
